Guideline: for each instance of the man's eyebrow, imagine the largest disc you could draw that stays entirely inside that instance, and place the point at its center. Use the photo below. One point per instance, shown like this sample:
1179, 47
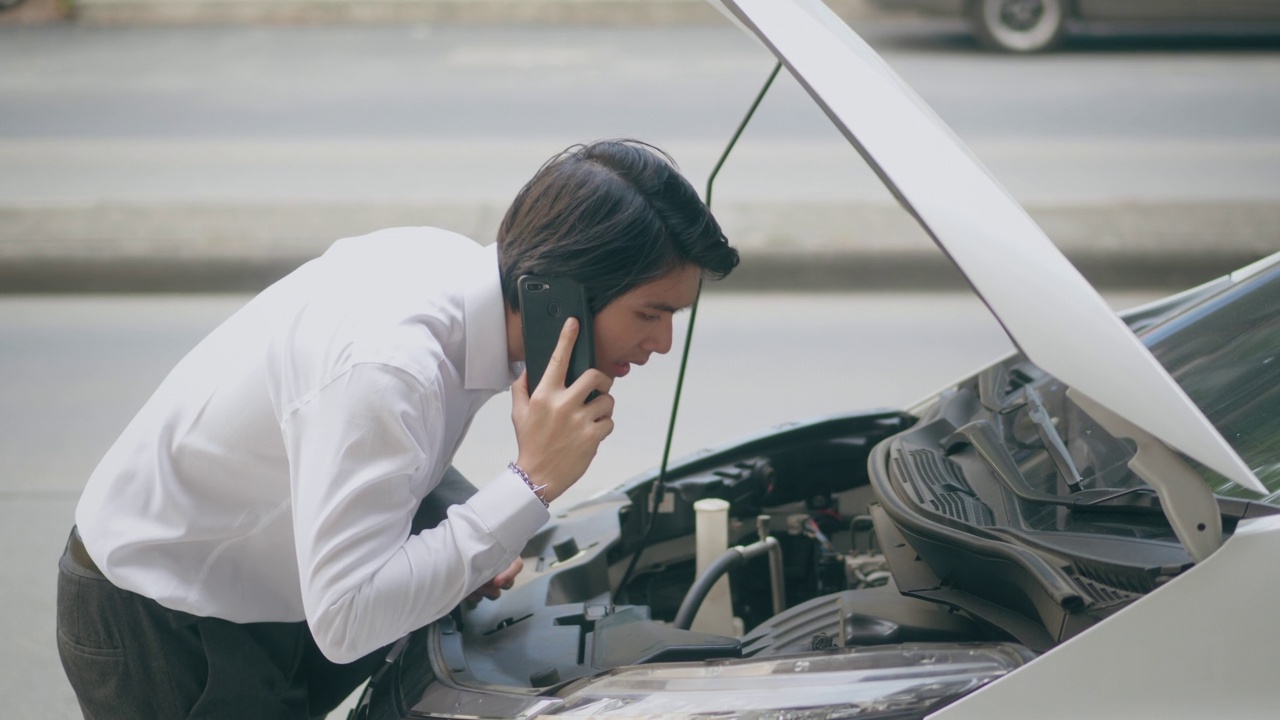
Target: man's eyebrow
664, 307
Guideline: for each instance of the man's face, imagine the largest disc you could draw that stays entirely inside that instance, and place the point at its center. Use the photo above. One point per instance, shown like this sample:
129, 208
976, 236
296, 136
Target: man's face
638, 323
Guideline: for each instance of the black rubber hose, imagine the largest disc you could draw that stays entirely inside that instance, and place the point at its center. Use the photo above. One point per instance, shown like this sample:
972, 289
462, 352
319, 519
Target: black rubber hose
698, 592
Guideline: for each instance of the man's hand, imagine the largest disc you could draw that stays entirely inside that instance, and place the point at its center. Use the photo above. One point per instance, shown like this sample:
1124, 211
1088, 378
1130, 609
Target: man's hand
493, 589
557, 430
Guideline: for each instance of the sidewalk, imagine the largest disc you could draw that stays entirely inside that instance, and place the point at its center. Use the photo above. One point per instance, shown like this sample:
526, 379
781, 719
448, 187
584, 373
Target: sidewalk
814, 247
153, 215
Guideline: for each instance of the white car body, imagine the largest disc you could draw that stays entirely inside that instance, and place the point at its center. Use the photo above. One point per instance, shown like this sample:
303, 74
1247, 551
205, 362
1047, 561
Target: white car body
1138, 662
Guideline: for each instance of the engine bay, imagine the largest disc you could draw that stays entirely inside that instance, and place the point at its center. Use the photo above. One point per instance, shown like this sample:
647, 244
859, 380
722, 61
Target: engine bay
889, 529
854, 532
575, 612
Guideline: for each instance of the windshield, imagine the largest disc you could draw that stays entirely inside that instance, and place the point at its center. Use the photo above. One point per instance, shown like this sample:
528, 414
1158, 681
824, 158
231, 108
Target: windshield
1225, 353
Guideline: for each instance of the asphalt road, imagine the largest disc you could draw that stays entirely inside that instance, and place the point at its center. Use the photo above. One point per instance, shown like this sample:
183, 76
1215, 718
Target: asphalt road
78, 368
236, 143
97, 114
672, 82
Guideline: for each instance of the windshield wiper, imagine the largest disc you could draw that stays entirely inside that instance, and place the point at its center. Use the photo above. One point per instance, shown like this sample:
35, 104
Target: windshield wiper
991, 385
1188, 502
982, 436
991, 394
1052, 440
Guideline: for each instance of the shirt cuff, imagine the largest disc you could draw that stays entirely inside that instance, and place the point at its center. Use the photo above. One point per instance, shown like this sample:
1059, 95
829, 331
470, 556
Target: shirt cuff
511, 511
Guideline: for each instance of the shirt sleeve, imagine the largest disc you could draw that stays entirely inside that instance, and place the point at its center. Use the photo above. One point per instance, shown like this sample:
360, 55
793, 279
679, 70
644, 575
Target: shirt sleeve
356, 449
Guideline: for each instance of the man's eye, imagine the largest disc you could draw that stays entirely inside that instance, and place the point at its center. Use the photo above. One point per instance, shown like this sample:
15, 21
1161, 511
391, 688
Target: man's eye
650, 318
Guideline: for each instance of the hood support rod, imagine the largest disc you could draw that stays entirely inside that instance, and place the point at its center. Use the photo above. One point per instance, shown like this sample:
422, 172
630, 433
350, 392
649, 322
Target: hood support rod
661, 483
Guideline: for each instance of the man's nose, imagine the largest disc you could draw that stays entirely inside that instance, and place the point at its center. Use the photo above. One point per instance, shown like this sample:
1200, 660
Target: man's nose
659, 341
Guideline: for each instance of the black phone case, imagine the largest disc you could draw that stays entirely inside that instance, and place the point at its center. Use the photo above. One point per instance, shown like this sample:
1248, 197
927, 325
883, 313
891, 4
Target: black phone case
545, 304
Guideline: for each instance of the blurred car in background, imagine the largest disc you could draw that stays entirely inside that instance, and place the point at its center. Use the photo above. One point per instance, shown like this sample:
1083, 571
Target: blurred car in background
1027, 26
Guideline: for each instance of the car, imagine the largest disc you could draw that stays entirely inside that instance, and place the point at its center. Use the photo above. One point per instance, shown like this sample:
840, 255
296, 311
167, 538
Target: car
1087, 527
1026, 26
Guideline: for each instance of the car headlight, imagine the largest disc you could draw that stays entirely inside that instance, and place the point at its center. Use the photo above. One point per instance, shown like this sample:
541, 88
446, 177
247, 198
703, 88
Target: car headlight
897, 681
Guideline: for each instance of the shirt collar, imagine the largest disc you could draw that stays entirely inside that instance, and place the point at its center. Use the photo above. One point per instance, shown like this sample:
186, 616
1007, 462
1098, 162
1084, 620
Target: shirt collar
487, 367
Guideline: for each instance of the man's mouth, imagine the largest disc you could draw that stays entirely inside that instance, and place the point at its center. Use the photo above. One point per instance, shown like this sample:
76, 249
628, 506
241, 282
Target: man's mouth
620, 369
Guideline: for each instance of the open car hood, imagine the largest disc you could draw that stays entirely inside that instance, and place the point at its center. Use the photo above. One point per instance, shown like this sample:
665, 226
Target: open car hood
1049, 310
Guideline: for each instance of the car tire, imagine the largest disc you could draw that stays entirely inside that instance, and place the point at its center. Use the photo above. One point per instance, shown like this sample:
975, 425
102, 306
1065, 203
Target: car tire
1018, 26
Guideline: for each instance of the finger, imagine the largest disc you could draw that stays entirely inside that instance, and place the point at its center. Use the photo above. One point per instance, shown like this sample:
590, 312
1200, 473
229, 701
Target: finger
520, 397
520, 388
602, 429
558, 366
601, 407
591, 381
604, 384
507, 578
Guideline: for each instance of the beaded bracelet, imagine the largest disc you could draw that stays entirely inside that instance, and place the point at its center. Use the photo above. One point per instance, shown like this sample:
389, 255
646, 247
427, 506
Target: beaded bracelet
539, 491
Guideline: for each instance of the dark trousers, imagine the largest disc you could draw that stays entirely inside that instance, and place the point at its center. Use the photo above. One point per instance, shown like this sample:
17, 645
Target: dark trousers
129, 657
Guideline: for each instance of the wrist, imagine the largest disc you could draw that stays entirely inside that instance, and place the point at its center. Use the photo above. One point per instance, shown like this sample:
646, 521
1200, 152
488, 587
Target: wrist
539, 491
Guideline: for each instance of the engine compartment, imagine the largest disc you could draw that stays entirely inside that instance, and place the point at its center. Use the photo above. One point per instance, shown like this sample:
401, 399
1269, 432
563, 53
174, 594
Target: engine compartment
571, 615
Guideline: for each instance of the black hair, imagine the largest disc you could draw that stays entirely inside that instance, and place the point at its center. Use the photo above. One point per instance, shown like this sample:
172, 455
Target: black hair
611, 215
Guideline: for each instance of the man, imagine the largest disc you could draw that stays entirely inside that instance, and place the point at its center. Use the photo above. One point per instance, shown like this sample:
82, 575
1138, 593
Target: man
249, 546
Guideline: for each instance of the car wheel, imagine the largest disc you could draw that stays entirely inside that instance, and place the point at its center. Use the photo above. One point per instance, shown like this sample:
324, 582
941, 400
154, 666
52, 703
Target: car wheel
1021, 26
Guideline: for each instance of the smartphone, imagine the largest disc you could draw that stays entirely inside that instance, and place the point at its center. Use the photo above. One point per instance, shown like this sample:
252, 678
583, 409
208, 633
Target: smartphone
545, 304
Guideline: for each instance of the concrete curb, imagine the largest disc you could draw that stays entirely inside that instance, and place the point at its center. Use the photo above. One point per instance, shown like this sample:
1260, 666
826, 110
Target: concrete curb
804, 247
818, 273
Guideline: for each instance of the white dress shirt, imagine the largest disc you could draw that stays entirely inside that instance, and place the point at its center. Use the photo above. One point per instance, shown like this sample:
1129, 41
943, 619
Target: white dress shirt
274, 474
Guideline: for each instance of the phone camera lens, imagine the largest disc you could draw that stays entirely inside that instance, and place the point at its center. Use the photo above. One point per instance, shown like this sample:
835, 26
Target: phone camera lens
553, 309
535, 287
